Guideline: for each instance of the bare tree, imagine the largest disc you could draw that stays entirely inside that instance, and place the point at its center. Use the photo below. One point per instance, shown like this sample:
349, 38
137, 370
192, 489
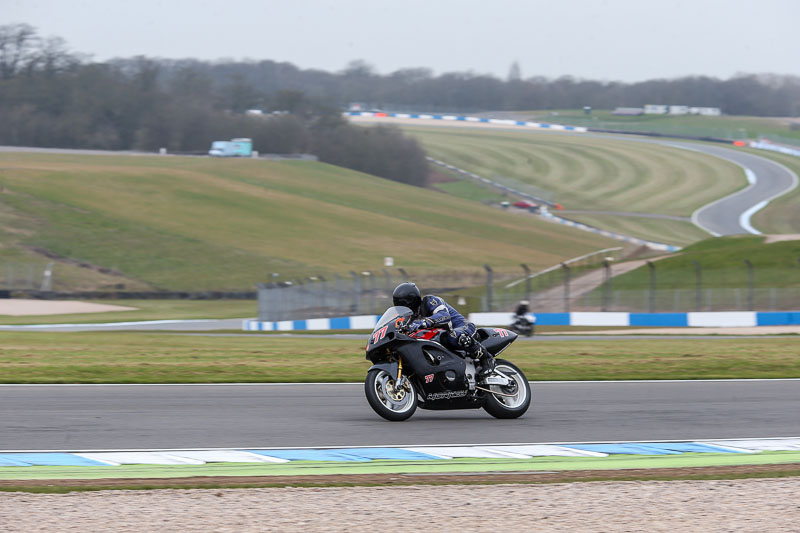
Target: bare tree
18, 44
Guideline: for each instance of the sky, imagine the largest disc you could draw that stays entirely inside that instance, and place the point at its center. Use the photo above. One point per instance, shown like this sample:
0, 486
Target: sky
609, 40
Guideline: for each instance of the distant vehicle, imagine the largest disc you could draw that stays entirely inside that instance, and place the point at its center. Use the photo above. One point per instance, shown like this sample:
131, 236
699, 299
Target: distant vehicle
524, 204
240, 147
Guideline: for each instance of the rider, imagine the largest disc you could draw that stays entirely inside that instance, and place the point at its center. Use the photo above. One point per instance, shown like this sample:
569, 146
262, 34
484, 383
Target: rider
432, 311
522, 309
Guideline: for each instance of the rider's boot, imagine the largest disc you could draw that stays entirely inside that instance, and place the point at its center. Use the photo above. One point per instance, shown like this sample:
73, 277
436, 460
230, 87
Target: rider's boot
484, 358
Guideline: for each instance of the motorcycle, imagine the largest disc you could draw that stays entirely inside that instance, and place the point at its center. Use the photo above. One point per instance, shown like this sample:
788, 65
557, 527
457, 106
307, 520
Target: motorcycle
522, 325
415, 369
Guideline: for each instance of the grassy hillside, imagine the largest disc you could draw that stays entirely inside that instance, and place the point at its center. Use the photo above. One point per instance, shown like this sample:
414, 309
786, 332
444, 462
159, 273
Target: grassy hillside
589, 172
198, 223
722, 261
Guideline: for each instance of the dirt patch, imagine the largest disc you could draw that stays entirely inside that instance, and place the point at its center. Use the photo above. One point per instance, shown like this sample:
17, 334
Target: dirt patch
781, 238
20, 307
477, 478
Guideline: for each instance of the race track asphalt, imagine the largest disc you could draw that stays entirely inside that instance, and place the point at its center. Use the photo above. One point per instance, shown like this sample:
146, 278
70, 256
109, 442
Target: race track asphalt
83, 417
723, 217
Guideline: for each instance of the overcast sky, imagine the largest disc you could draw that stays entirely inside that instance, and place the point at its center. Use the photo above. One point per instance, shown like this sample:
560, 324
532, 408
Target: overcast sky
627, 40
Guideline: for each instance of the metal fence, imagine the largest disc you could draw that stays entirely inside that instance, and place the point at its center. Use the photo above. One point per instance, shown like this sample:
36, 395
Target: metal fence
26, 276
685, 300
357, 293
585, 283
675, 290
369, 292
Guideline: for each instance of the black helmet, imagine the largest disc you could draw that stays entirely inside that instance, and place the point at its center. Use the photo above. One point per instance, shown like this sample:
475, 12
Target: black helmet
407, 294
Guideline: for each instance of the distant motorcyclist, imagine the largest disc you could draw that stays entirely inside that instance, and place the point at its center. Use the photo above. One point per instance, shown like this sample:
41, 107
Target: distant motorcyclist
432, 311
523, 320
522, 308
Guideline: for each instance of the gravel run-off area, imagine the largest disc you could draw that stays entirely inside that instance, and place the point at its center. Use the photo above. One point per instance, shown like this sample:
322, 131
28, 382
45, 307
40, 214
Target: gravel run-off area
746, 505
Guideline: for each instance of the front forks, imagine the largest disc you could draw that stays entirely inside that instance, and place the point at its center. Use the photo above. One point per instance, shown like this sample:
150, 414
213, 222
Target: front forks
401, 380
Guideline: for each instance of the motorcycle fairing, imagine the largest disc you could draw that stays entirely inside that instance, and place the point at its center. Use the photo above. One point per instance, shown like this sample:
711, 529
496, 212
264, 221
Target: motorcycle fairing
495, 340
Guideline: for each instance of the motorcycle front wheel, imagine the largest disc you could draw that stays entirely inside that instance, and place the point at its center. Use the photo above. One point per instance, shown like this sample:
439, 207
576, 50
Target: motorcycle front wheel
511, 401
392, 404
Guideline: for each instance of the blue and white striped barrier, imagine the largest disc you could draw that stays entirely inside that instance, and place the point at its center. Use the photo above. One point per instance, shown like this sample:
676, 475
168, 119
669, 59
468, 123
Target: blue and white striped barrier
314, 324
722, 319
458, 118
409, 453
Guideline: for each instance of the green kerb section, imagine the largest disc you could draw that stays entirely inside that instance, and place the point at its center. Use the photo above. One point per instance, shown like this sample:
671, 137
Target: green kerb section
312, 468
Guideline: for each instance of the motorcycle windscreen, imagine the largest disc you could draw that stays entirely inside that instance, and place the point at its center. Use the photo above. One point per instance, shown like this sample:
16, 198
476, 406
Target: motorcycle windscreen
392, 314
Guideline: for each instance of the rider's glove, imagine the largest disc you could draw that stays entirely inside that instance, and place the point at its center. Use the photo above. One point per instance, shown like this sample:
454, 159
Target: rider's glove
419, 324
414, 326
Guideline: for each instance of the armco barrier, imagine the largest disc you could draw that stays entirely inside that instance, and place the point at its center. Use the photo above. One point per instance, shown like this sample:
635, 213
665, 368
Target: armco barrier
635, 240
693, 319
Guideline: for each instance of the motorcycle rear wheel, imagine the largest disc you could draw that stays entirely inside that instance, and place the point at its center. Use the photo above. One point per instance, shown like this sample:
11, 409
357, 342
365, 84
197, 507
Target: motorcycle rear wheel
391, 404
500, 406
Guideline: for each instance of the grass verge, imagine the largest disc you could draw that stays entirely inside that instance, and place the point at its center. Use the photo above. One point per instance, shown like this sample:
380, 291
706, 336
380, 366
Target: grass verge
116, 357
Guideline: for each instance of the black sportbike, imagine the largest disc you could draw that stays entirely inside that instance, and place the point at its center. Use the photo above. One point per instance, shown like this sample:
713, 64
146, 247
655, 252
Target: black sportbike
413, 369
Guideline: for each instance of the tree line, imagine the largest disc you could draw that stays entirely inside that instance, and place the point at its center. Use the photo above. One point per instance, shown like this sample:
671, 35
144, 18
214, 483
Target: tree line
51, 96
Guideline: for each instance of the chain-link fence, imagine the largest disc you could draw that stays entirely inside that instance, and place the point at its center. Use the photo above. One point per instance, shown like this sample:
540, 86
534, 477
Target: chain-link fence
586, 283
692, 288
26, 276
370, 292
685, 300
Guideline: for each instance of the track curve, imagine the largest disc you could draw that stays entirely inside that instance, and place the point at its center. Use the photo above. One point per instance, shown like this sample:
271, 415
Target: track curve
730, 215
725, 216
82, 417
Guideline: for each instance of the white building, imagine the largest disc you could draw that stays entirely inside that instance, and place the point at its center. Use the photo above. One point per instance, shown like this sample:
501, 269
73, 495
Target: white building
655, 109
679, 110
705, 111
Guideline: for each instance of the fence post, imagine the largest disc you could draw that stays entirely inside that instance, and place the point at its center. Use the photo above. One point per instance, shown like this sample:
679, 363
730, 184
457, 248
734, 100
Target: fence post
47, 277
388, 282
262, 307
749, 284
566, 286
489, 279
527, 282
299, 299
404, 273
339, 292
652, 303
368, 274
356, 292
606, 283
324, 296
698, 285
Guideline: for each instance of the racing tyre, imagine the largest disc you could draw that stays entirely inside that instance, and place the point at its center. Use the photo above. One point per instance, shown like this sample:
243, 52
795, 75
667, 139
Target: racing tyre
511, 401
392, 404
